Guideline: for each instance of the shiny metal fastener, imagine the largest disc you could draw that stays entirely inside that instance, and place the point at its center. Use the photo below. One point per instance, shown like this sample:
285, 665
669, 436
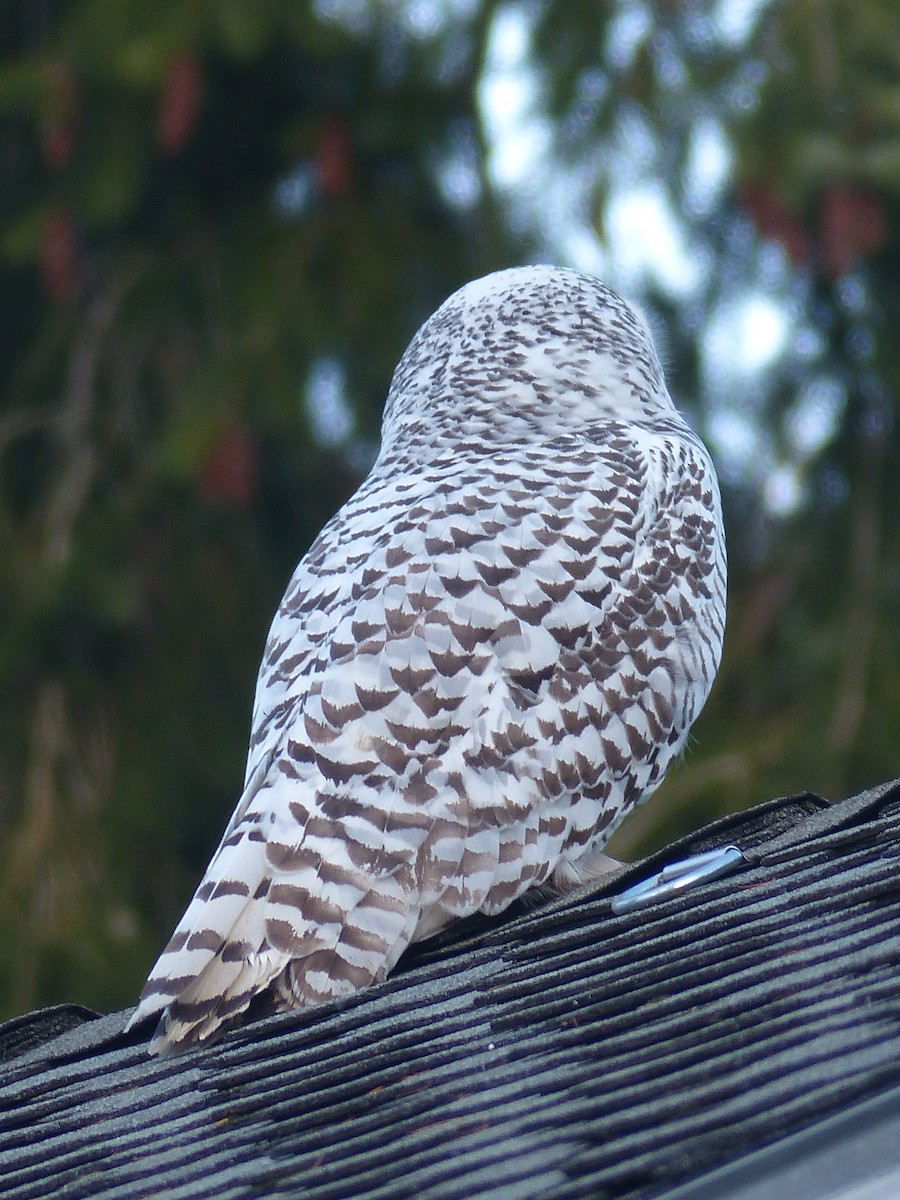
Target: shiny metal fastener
678, 875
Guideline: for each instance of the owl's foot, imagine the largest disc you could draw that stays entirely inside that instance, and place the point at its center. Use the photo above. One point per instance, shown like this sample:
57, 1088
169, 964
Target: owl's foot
589, 868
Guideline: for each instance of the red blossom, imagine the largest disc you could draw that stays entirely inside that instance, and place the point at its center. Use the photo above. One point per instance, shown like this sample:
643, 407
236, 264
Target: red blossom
773, 220
851, 225
179, 104
333, 158
228, 473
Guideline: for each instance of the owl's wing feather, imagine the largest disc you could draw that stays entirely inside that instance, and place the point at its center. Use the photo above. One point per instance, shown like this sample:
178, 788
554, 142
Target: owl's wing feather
438, 724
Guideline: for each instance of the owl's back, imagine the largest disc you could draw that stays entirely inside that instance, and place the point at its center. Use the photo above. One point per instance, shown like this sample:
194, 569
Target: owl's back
489, 656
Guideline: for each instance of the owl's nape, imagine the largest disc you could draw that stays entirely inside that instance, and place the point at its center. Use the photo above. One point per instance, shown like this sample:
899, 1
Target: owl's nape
487, 658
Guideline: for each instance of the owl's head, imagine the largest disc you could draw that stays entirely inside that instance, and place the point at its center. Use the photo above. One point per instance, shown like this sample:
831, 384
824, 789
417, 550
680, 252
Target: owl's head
525, 351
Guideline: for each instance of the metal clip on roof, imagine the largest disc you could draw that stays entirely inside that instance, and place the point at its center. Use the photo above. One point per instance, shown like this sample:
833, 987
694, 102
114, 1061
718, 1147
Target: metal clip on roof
677, 876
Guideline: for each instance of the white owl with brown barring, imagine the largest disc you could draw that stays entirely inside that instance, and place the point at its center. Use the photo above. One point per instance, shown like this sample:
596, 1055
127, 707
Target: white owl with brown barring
488, 657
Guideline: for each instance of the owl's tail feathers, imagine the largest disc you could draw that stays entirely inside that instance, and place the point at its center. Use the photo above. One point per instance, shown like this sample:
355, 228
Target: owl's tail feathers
215, 963
306, 940
372, 935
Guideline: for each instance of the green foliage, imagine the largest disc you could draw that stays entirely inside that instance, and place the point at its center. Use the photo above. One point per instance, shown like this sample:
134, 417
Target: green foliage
201, 201
167, 294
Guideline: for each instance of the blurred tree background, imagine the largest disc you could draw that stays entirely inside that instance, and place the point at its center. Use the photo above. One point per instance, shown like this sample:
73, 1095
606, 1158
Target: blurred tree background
221, 221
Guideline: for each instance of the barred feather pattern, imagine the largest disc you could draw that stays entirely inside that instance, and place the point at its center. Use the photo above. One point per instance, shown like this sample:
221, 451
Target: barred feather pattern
489, 656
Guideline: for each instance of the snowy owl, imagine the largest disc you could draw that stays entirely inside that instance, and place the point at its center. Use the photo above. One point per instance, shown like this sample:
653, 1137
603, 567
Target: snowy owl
485, 660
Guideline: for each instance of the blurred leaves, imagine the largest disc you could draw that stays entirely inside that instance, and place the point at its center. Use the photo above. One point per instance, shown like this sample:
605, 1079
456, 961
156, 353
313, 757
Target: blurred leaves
200, 203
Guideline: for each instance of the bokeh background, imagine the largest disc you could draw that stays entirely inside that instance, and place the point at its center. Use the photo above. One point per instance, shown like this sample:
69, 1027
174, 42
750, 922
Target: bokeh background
220, 223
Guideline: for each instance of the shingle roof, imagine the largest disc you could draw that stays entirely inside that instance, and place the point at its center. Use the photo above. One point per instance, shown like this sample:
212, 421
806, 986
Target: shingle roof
564, 1051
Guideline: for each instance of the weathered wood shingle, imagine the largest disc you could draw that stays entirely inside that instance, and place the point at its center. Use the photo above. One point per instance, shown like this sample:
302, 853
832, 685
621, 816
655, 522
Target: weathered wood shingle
563, 1051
